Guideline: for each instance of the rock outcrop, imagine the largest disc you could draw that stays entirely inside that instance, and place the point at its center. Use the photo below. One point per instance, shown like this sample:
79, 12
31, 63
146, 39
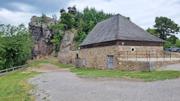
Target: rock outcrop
67, 53
41, 35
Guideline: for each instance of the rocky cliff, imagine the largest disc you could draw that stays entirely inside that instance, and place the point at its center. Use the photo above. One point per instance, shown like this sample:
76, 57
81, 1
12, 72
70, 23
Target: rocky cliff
67, 51
41, 35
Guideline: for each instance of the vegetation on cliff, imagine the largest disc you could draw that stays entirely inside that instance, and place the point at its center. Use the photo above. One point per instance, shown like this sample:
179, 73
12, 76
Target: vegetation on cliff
83, 22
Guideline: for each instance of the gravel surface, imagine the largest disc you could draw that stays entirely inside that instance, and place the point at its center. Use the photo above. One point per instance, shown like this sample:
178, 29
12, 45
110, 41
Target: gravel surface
66, 86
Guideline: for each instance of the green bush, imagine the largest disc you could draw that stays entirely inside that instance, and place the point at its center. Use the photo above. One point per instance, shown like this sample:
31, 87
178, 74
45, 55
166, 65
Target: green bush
15, 46
177, 43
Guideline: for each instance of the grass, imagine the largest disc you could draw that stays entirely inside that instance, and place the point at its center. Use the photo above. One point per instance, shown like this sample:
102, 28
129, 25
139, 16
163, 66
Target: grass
54, 61
14, 87
145, 76
85, 72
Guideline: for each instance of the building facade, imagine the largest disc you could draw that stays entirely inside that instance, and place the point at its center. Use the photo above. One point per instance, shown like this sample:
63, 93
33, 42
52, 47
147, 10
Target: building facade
113, 40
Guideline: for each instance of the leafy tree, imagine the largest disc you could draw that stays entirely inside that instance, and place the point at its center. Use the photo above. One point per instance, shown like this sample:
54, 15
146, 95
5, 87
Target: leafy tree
172, 39
57, 41
153, 32
86, 21
2, 52
80, 37
15, 45
83, 22
167, 44
166, 27
178, 43
58, 35
68, 20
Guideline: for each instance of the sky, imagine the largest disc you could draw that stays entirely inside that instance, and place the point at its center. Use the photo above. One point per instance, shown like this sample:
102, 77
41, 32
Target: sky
141, 12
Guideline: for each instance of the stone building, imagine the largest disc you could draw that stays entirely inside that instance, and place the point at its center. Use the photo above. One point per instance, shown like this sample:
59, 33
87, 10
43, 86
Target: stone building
111, 40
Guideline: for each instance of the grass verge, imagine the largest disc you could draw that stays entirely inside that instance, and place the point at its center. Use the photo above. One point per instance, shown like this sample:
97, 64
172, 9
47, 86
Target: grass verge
145, 76
85, 72
54, 61
14, 87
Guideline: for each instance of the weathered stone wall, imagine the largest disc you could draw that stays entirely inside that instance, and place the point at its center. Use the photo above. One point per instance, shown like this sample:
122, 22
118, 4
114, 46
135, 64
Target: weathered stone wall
97, 57
140, 48
140, 51
67, 57
133, 65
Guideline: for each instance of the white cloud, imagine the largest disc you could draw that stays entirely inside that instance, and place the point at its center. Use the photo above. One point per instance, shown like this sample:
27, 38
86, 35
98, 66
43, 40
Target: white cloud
23, 7
141, 12
14, 18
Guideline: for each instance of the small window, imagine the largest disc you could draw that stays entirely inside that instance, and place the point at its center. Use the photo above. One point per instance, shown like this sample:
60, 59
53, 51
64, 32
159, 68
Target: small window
77, 56
133, 49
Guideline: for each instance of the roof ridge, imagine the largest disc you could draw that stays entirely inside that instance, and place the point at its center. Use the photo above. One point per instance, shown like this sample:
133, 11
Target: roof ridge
118, 27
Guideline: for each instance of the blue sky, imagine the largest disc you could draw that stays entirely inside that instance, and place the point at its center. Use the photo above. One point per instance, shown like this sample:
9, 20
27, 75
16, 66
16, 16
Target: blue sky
141, 12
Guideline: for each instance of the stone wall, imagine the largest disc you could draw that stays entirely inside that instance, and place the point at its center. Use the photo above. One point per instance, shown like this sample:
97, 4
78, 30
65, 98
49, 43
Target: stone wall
97, 57
67, 57
140, 51
140, 48
133, 65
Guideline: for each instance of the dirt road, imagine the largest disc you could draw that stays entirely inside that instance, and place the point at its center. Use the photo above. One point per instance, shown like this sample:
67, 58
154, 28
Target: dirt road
63, 85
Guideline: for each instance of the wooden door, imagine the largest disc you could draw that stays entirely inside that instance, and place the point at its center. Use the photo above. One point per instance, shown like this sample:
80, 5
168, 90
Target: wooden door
110, 62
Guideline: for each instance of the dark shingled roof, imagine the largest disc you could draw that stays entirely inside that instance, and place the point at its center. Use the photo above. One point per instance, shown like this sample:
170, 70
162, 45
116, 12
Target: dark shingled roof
118, 27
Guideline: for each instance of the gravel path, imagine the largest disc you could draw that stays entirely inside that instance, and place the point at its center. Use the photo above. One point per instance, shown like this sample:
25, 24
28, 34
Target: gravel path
66, 86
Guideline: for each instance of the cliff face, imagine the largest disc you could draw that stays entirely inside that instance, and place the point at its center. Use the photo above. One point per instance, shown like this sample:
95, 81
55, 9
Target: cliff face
67, 53
67, 43
41, 36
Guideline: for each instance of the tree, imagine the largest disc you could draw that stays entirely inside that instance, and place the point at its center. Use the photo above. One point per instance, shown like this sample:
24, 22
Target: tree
83, 22
15, 45
178, 43
166, 27
167, 44
86, 21
67, 20
58, 35
153, 32
172, 39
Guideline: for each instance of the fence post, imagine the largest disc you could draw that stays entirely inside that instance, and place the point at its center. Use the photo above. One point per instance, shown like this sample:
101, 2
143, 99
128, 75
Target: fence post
170, 55
136, 55
149, 55
127, 55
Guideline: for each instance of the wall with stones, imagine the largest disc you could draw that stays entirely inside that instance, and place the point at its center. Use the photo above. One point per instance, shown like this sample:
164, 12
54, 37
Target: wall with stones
67, 57
97, 57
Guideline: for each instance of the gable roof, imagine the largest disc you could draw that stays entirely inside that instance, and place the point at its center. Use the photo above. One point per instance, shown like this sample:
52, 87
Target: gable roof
118, 28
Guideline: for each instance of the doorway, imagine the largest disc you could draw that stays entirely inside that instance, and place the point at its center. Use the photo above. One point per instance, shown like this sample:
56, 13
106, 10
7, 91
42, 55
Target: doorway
110, 62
